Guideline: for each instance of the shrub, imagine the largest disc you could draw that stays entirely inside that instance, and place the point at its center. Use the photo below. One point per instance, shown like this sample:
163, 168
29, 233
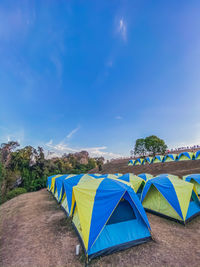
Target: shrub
15, 192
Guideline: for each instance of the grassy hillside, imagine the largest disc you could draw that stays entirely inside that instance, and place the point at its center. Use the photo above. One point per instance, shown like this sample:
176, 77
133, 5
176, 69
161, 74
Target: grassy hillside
180, 168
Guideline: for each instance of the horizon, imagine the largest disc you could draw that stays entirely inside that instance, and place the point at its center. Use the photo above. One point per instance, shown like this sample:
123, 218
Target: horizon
96, 76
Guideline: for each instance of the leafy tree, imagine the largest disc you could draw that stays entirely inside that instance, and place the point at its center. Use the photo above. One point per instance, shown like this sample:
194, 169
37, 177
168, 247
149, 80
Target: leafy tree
151, 145
140, 148
154, 145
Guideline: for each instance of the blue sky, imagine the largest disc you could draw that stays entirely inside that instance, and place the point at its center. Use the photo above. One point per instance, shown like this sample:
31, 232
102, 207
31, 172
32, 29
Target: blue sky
97, 75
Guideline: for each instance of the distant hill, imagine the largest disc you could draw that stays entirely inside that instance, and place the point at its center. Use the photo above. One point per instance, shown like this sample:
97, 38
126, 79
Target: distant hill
179, 168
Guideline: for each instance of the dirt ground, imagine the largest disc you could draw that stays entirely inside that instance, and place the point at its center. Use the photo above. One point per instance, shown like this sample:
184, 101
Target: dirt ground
34, 232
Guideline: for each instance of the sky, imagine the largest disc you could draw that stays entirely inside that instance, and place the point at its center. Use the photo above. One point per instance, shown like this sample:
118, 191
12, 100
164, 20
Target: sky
96, 75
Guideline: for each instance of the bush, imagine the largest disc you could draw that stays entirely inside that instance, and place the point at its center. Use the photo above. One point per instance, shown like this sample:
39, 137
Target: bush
15, 192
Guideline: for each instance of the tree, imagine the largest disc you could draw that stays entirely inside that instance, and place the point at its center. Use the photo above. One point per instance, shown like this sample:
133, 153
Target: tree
140, 148
154, 145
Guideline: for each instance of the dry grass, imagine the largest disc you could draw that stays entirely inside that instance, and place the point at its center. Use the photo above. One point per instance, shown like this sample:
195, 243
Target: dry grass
35, 232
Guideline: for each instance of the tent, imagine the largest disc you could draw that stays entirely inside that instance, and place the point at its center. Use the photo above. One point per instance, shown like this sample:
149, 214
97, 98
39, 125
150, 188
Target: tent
171, 198
195, 179
68, 184
108, 216
58, 188
131, 162
172, 176
197, 155
145, 176
185, 156
157, 159
108, 175
118, 174
148, 160
170, 157
139, 161
95, 175
136, 182
49, 179
51, 182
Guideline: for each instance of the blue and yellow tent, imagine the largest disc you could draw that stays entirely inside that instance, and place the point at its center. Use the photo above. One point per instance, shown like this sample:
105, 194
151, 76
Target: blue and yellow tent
136, 182
49, 179
118, 174
108, 216
195, 179
171, 198
108, 175
197, 155
51, 182
68, 184
148, 160
170, 157
157, 159
58, 188
172, 176
145, 176
131, 162
139, 161
185, 156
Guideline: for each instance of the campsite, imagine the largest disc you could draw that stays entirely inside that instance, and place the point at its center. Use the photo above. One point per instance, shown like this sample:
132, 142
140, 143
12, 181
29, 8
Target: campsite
99, 133
39, 212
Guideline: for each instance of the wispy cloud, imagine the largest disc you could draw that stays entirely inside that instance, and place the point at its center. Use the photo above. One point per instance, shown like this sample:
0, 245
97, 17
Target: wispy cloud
118, 117
122, 29
61, 148
69, 136
7, 135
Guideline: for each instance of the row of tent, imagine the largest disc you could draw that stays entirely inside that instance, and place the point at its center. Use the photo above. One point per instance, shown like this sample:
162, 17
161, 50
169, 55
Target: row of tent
167, 158
108, 211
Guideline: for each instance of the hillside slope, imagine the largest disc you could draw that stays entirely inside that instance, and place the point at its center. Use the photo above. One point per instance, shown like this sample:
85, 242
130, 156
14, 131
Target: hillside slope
34, 232
179, 168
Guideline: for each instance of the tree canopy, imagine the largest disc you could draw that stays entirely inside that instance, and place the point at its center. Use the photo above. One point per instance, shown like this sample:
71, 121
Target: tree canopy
151, 145
28, 168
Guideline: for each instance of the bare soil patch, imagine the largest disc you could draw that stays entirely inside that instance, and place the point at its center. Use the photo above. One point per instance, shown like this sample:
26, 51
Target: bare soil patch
34, 231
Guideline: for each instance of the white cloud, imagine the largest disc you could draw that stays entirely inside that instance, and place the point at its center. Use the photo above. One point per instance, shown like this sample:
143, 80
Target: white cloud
122, 29
61, 148
72, 132
118, 117
8, 135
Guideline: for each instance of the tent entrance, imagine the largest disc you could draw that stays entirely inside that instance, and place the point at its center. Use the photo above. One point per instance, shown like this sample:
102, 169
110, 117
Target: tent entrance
123, 212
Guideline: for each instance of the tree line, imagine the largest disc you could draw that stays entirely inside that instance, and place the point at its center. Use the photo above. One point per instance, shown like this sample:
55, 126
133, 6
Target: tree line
28, 168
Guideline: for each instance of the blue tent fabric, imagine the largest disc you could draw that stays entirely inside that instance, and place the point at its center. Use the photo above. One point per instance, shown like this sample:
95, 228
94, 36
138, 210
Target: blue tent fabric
68, 186
195, 177
48, 184
166, 188
170, 156
197, 154
185, 154
108, 194
59, 185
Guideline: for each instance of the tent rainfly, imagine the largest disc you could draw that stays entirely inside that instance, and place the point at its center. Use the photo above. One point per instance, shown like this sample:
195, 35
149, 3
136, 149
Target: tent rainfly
171, 198
195, 179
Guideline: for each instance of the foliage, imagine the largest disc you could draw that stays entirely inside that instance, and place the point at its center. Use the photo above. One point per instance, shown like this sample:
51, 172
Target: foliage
151, 145
140, 148
15, 192
28, 168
